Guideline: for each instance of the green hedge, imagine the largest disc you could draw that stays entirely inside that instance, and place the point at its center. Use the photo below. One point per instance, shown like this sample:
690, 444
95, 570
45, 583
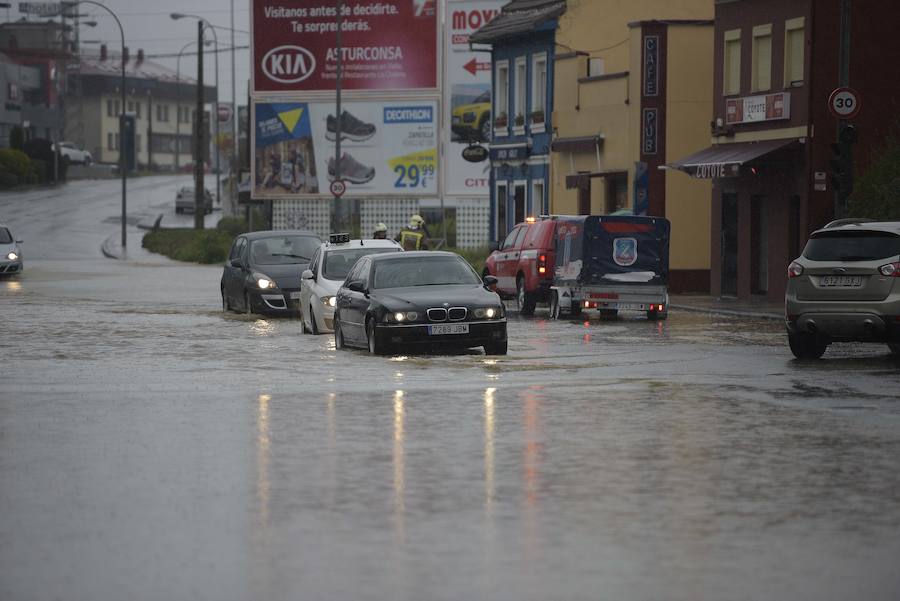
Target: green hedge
876, 193
16, 168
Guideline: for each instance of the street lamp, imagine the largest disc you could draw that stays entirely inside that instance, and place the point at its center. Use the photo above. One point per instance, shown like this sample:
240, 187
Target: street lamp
208, 25
122, 168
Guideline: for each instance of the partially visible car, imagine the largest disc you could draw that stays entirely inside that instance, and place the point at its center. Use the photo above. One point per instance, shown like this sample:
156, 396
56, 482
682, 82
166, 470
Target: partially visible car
10, 253
418, 299
72, 154
845, 286
262, 273
523, 263
328, 269
472, 121
184, 200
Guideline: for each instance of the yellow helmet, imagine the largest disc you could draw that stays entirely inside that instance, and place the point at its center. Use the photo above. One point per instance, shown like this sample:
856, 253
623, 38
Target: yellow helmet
416, 221
381, 227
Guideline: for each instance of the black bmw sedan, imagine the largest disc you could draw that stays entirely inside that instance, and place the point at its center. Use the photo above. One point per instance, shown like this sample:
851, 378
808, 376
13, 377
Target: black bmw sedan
262, 273
404, 301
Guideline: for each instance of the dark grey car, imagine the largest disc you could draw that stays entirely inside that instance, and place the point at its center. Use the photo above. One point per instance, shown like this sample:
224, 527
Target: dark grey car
845, 287
262, 273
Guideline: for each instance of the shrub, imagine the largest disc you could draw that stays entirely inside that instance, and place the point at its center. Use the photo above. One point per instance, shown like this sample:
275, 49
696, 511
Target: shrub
876, 194
195, 246
15, 168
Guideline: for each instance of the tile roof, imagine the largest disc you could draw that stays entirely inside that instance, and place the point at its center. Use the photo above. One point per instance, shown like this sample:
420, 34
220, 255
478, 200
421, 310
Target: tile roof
517, 18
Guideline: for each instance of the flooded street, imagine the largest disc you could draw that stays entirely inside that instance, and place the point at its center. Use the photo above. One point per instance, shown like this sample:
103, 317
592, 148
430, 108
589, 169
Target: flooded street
153, 447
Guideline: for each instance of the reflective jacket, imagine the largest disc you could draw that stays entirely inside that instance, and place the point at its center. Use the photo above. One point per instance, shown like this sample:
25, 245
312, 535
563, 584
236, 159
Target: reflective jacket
412, 239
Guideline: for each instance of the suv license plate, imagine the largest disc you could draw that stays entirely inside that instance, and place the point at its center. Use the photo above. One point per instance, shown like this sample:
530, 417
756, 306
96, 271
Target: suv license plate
448, 328
845, 281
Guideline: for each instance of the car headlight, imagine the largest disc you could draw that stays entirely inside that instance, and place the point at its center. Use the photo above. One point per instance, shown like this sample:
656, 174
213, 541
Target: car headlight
329, 301
488, 312
12, 256
401, 316
264, 282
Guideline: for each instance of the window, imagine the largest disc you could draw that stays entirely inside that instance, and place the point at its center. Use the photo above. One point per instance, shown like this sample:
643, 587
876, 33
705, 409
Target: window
537, 197
130, 106
501, 211
502, 106
539, 88
520, 109
159, 112
137, 110
731, 74
794, 46
109, 109
511, 239
165, 112
762, 58
118, 108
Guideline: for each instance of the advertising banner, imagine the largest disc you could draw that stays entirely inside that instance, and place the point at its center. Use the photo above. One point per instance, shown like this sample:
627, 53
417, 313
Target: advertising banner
387, 148
385, 45
467, 96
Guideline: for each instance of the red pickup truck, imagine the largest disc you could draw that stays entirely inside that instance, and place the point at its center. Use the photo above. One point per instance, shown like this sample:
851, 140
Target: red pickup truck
524, 263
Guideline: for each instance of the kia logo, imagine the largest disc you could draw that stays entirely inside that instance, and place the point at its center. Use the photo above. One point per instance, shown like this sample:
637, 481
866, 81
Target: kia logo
288, 64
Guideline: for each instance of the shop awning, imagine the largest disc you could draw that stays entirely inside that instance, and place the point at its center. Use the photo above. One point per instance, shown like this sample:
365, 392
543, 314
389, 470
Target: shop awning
725, 160
579, 144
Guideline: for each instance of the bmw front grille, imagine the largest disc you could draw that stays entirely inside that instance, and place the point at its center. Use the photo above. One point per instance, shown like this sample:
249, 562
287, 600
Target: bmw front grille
437, 314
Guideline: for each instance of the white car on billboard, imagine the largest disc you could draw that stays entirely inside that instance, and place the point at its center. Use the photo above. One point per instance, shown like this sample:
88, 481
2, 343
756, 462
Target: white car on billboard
327, 270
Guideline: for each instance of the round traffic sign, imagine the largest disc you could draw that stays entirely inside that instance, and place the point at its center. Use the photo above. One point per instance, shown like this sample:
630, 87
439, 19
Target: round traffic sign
338, 187
844, 103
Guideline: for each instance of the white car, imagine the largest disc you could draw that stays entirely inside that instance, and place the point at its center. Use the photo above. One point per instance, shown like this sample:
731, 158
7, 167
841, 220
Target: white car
327, 270
75, 155
10, 253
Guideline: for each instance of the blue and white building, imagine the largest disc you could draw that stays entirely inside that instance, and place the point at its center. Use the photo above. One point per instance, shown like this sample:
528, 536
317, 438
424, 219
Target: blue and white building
522, 44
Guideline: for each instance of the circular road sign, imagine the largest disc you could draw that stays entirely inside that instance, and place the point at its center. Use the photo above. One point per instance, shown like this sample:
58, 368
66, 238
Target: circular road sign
338, 187
844, 103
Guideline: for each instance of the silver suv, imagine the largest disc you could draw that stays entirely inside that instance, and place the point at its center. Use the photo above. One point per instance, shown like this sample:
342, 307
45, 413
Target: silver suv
845, 287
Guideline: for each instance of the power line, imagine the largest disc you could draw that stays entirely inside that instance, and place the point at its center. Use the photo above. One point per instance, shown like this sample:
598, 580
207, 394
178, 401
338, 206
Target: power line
194, 53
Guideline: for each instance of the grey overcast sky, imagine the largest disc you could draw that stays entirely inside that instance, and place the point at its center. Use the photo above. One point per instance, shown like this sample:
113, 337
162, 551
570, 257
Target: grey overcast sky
147, 25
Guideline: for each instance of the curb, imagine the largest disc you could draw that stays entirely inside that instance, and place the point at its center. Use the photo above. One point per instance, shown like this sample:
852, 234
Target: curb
729, 312
111, 248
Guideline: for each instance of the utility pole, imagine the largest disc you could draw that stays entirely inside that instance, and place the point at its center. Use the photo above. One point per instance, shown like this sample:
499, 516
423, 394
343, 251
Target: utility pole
199, 191
341, 220
844, 139
150, 131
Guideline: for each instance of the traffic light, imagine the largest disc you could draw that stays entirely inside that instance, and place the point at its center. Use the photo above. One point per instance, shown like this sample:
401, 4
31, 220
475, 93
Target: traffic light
842, 161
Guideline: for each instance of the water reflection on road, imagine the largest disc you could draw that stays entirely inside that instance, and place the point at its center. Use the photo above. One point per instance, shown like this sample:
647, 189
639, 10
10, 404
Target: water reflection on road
618, 459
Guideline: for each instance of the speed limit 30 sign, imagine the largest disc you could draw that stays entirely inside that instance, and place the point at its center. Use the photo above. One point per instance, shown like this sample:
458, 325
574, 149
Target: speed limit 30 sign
844, 103
338, 187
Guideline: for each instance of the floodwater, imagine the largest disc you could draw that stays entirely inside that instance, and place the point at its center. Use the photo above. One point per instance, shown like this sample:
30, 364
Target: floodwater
152, 447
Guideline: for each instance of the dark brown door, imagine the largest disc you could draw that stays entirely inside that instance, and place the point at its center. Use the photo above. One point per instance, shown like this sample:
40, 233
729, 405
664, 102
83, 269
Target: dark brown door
584, 197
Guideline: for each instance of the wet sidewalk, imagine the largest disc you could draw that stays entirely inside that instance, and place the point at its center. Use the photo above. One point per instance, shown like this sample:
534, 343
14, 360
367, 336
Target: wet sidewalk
756, 307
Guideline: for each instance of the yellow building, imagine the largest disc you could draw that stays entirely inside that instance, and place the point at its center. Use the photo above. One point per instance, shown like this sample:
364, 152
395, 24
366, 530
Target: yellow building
632, 90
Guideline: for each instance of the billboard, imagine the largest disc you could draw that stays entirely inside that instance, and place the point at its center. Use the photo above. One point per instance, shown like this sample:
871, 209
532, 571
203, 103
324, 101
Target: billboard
385, 45
388, 147
467, 96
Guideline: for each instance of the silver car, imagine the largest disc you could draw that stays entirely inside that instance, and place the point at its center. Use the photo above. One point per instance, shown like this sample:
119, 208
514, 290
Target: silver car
10, 253
845, 287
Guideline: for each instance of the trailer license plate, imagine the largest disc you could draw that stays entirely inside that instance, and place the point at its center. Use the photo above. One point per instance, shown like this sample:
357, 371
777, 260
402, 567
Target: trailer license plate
448, 328
845, 281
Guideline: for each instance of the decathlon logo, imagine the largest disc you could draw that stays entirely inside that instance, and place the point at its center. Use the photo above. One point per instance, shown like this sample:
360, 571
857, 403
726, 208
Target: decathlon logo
288, 64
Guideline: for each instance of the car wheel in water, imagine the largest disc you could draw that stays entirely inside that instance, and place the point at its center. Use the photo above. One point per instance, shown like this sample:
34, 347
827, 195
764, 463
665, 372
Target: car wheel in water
375, 347
498, 348
313, 326
525, 300
554, 305
247, 309
806, 346
225, 306
338, 335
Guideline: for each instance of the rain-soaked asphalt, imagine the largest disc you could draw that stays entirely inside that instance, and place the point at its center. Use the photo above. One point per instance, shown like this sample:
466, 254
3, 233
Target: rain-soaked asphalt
152, 447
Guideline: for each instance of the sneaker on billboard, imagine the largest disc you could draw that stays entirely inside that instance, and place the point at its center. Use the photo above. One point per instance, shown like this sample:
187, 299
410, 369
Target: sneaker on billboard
351, 128
351, 170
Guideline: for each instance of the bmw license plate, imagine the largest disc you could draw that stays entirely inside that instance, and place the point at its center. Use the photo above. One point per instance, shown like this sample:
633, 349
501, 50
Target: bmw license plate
295, 295
843, 281
448, 328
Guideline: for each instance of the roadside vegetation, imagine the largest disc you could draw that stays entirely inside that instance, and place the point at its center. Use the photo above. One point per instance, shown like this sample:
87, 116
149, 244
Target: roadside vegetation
197, 246
876, 192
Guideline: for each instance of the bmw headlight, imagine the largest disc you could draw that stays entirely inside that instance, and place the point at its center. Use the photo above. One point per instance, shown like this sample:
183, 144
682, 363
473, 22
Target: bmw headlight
488, 312
401, 316
12, 256
264, 282
329, 301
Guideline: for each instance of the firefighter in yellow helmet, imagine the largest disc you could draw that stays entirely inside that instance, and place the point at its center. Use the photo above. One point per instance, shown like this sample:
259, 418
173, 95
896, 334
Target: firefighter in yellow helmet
415, 235
380, 232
